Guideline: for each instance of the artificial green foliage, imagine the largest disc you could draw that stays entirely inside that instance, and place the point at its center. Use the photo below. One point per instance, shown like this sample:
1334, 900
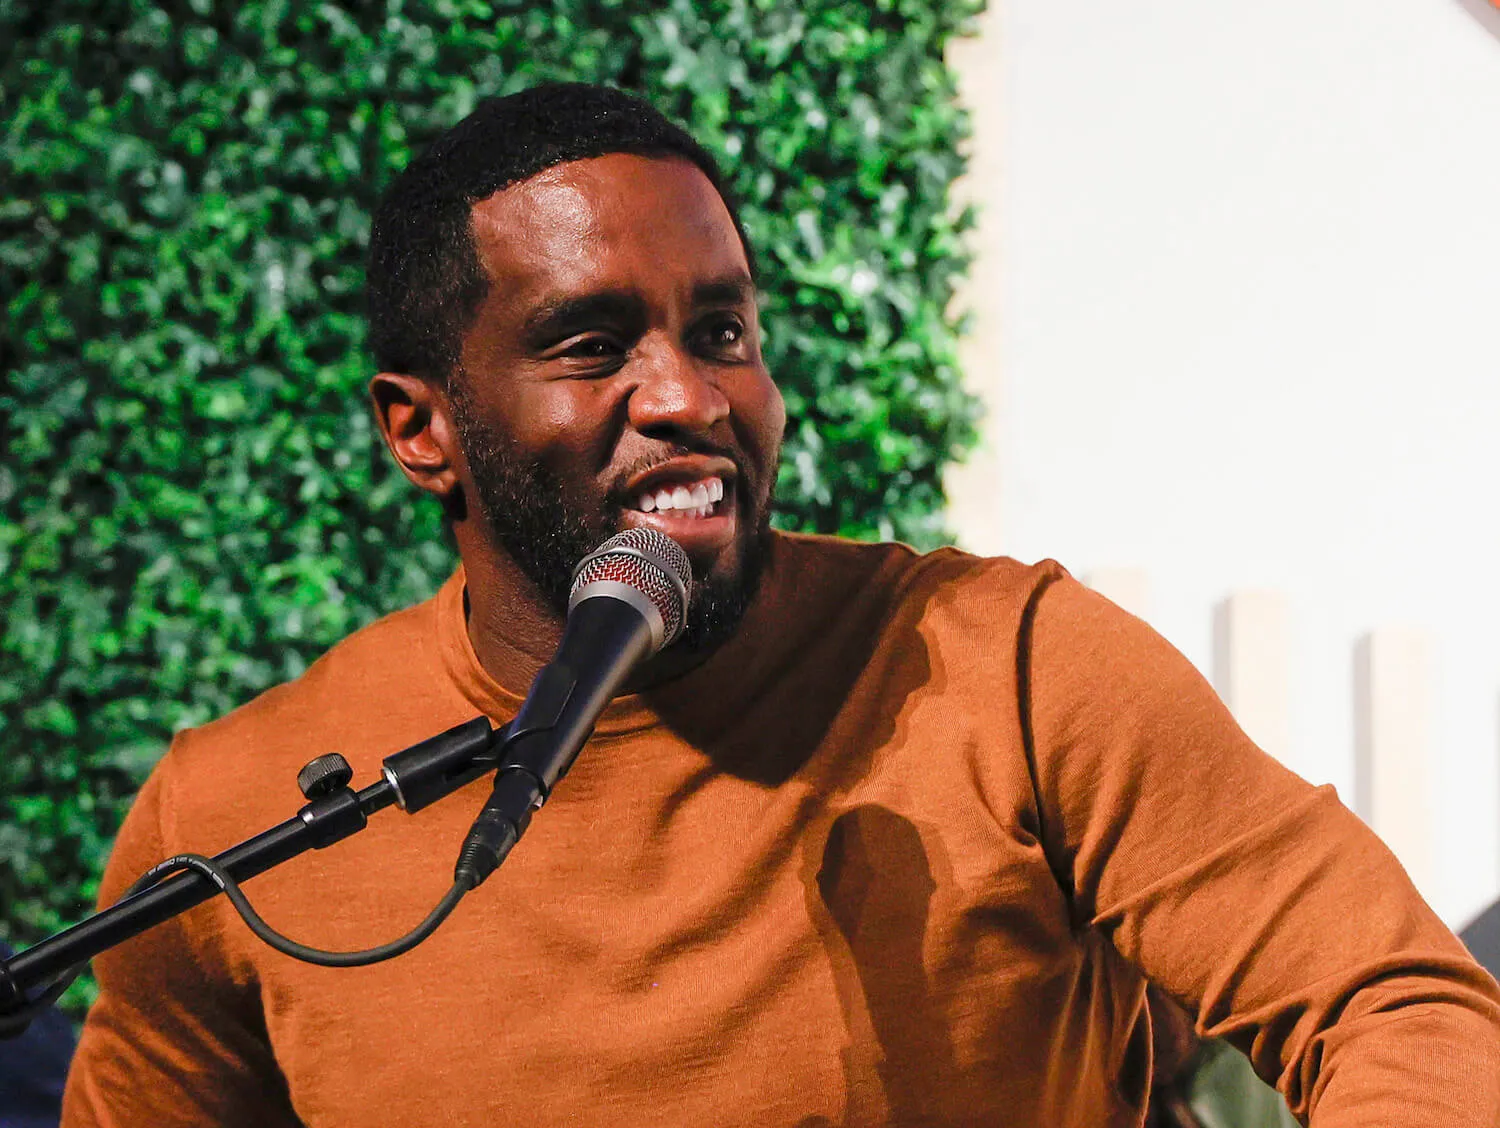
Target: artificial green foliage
193, 500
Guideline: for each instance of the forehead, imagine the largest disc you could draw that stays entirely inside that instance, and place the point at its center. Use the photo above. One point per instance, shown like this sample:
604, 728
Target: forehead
619, 221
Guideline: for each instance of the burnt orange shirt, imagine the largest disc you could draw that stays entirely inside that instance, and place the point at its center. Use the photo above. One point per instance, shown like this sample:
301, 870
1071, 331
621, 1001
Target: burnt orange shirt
901, 852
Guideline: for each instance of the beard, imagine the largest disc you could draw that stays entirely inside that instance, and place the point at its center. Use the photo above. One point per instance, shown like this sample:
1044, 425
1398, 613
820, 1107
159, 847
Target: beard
529, 511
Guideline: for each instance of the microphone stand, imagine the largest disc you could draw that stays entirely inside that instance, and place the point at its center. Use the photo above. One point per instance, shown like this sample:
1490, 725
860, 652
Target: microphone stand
411, 779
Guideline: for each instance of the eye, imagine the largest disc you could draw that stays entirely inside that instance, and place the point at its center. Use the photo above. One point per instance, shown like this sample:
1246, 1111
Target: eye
722, 334
588, 356
592, 348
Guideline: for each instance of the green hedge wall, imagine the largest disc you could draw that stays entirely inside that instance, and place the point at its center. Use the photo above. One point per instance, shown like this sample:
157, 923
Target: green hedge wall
193, 500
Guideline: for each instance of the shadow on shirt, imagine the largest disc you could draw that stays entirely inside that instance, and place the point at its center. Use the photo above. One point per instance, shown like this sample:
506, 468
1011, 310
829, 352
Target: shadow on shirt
877, 884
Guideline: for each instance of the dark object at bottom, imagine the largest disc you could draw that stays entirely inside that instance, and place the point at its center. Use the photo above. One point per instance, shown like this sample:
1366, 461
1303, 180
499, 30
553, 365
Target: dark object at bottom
33, 1068
1483, 939
1174, 1050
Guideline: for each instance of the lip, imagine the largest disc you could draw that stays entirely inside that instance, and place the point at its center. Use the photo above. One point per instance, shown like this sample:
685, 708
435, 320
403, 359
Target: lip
700, 537
680, 471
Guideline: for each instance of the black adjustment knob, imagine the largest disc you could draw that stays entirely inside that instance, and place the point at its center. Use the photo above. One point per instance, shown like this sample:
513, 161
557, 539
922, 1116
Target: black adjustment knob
320, 778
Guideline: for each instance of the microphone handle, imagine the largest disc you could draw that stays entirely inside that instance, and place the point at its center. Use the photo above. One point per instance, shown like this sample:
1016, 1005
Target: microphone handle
604, 639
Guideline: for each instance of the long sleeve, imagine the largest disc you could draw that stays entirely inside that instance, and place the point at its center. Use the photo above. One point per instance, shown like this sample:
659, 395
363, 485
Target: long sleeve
1257, 900
169, 1043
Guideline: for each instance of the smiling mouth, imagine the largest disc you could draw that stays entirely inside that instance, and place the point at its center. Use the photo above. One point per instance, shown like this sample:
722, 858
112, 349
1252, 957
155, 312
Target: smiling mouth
685, 501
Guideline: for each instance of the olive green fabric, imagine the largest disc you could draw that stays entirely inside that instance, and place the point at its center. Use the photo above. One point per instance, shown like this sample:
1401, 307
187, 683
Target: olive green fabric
1226, 1093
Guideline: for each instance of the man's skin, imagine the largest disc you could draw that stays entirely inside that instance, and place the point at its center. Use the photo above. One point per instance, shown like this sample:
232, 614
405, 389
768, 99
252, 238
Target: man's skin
618, 348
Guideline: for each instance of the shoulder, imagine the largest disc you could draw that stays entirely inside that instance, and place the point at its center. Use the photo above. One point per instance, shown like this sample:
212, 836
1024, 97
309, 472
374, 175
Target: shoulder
945, 585
368, 666
851, 558
371, 694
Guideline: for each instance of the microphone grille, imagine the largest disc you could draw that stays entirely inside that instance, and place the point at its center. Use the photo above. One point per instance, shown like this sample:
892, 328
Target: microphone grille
651, 563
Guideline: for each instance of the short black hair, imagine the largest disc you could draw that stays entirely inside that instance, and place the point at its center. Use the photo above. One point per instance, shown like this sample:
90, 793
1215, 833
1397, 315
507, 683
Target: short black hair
425, 283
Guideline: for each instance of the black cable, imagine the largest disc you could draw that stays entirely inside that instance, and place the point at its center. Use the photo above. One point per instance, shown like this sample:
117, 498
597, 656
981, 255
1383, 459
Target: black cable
14, 1021
285, 944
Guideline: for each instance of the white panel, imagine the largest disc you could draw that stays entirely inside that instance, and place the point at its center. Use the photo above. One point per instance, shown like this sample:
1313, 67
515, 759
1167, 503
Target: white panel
1393, 744
1252, 669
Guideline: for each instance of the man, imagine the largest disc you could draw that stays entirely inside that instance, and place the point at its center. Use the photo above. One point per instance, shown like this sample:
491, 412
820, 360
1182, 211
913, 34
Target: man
888, 839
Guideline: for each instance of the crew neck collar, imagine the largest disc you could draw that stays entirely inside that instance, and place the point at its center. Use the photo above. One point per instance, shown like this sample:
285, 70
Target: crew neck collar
712, 690
499, 697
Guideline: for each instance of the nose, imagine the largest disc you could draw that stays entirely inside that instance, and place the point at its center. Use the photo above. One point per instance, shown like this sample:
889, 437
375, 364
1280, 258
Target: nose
675, 392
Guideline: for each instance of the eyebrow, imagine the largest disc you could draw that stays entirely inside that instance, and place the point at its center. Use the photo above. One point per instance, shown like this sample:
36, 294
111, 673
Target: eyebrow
732, 289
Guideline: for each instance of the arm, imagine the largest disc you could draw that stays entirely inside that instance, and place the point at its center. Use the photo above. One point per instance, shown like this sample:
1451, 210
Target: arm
175, 1038
1258, 901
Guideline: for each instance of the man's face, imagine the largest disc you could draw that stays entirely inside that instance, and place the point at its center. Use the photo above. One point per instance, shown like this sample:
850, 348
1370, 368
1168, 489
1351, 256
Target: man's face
613, 377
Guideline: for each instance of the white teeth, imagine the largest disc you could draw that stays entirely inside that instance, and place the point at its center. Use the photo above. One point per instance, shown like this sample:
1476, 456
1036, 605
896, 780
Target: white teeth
697, 500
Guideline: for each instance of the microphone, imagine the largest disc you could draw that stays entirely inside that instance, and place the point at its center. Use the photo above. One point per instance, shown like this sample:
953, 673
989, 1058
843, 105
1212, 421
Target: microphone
629, 600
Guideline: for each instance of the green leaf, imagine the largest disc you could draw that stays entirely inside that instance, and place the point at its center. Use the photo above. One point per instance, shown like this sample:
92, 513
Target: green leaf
193, 501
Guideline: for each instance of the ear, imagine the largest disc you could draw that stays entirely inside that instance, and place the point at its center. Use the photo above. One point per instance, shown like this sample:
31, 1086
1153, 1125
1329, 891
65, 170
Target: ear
415, 419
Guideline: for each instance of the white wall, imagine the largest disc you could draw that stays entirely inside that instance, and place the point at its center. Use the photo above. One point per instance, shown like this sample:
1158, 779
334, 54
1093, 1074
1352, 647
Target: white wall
1250, 337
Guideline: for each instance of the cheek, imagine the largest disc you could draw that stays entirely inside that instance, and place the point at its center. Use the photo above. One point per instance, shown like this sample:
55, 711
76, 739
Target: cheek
765, 413
567, 424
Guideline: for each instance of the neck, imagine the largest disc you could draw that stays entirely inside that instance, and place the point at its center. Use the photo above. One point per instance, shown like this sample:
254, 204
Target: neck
513, 630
